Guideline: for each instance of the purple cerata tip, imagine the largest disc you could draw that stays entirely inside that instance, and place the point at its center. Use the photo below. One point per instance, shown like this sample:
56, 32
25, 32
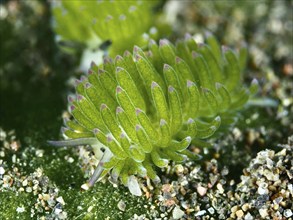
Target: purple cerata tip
118, 58
154, 84
119, 89
167, 66
103, 106
138, 111
171, 89
119, 110
119, 69
72, 107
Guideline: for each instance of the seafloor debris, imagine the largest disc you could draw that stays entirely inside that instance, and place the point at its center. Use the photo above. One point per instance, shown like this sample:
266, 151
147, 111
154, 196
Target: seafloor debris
47, 199
205, 192
9, 141
266, 185
36, 184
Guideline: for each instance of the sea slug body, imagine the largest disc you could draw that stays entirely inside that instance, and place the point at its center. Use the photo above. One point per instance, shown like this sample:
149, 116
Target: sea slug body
144, 109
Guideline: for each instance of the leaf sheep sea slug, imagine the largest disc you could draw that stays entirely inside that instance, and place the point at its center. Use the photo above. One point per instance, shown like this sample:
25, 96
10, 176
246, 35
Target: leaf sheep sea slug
144, 109
125, 23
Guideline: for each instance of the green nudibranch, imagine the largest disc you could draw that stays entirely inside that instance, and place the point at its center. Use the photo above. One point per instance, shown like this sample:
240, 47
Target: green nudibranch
124, 23
145, 108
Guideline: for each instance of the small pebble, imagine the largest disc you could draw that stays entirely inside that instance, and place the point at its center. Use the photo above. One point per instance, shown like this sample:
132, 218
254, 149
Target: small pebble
262, 191
270, 175
211, 210
248, 216
2, 154
70, 160
40, 153
220, 188
200, 213
57, 211
201, 190
20, 209
234, 208
89, 209
288, 213
60, 200
24, 183
177, 213
121, 205
263, 212
245, 207
85, 186
46, 197
179, 169
239, 213
2, 171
